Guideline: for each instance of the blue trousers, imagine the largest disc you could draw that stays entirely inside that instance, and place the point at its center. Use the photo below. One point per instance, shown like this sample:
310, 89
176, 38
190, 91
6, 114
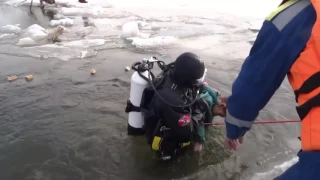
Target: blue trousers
307, 168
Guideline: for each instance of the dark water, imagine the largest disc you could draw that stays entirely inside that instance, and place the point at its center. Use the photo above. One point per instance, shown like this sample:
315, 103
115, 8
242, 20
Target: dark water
69, 125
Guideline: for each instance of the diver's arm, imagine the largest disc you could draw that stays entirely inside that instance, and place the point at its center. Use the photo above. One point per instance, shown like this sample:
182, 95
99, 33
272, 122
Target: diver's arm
263, 71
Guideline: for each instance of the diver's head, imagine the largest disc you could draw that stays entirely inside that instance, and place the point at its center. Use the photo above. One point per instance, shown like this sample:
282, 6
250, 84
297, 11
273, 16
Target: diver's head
188, 68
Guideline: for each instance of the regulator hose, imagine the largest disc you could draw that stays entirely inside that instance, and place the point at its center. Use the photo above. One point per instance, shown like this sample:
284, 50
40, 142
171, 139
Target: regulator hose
141, 67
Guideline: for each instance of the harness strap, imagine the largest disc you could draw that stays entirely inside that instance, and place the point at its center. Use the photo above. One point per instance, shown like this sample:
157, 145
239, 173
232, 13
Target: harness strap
309, 85
130, 107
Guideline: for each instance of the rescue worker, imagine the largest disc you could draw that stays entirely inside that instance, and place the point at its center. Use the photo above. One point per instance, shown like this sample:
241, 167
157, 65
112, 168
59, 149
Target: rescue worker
287, 44
173, 109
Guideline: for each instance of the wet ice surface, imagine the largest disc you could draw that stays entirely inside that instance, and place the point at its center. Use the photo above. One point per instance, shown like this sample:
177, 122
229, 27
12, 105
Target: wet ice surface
66, 124
148, 27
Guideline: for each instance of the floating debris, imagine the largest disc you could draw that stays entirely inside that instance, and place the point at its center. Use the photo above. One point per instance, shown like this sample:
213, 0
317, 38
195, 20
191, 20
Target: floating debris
93, 71
28, 78
127, 69
12, 78
56, 39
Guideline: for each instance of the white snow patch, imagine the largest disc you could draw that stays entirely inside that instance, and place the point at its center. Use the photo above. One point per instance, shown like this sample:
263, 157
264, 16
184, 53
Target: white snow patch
63, 22
154, 42
84, 43
130, 29
10, 29
35, 34
145, 26
58, 16
7, 36
95, 11
26, 42
36, 26
69, 3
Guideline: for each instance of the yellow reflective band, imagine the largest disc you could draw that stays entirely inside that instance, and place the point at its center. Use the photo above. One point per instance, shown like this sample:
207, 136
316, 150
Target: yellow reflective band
186, 144
156, 142
280, 9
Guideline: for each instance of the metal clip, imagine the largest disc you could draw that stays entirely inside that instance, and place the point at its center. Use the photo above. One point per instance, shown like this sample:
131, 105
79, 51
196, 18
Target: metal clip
165, 157
150, 60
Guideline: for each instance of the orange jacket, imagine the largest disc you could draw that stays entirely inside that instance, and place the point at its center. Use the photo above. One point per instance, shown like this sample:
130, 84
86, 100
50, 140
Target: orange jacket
304, 77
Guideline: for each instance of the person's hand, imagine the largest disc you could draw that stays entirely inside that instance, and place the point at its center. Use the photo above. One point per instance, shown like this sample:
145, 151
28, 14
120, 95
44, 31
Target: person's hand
219, 110
223, 101
233, 144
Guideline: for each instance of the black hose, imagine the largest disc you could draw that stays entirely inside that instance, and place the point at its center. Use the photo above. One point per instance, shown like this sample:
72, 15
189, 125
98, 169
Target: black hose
142, 67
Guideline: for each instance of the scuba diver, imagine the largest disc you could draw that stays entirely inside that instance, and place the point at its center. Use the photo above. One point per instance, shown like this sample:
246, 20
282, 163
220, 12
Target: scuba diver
176, 105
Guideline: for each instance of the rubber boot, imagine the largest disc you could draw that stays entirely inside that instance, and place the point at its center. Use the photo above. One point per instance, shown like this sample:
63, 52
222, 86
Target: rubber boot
83, 1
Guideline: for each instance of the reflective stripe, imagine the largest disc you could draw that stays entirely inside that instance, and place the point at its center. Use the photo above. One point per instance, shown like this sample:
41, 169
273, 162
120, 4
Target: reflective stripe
185, 144
237, 122
156, 143
280, 9
284, 18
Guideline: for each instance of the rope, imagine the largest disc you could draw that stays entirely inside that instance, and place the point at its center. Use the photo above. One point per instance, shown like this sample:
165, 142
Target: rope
258, 122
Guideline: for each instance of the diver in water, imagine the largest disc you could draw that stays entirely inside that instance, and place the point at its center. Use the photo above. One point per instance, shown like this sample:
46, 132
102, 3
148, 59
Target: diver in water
176, 106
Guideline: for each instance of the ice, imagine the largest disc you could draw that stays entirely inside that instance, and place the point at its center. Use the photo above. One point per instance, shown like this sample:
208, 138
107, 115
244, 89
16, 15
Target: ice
7, 36
26, 42
154, 42
58, 16
85, 43
56, 31
63, 22
10, 29
278, 169
146, 26
35, 32
138, 21
130, 29
74, 11
154, 26
36, 26
38, 36
144, 35
95, 7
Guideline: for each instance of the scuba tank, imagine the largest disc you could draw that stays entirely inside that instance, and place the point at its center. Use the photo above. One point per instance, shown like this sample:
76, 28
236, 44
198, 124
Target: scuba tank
135, 119
140, 80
